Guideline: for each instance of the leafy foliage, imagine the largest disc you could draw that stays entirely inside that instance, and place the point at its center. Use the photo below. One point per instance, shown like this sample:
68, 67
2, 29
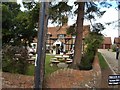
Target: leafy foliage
33, 12
105, 4
119, 5
87, 60
90, 13
98, 27
92, 10
114, 47
11, 62
29, 5
93, 42
17, 25
24, 30
59, 13
71, 30
9, 12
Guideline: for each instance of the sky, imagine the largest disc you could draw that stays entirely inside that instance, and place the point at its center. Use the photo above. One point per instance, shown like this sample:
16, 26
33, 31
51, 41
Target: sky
111, 30
110, 15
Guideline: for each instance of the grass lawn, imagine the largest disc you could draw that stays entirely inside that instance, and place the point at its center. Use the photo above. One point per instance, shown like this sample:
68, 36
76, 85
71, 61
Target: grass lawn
30, 70
48, 68
102, 62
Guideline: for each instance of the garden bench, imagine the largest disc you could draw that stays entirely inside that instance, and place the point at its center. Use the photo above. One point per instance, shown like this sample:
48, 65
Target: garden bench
53, 61
31, 60
69, 61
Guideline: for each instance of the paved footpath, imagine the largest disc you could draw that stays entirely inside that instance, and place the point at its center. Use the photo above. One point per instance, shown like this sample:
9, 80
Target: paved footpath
110, 58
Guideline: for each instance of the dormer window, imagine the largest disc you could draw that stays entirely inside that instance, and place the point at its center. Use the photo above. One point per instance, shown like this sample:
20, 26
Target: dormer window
61, 36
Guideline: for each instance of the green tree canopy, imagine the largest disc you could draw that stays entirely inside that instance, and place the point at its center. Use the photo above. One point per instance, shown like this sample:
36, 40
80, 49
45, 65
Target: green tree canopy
18, 25
9, 12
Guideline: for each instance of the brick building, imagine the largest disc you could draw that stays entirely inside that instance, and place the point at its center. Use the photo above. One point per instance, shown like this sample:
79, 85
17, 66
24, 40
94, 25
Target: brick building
58, 38
107, 43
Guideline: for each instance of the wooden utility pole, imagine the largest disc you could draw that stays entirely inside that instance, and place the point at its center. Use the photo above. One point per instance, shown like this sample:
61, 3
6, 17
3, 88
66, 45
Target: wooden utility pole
42, 30
44, 42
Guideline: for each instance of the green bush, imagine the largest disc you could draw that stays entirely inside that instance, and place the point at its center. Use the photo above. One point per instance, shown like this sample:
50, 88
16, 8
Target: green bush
86, 61
14, 63
113, 47
92, 41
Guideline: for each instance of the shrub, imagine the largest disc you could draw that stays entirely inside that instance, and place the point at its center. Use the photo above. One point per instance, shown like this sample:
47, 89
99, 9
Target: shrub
14, 63
86, 61
93, 41
113, 47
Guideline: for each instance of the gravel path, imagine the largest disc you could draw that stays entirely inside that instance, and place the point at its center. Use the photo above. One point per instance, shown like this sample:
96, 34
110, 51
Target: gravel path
111, 60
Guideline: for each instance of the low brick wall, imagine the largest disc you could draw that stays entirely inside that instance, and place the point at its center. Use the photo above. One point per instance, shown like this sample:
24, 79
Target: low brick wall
70, 78
17, 81
63, 78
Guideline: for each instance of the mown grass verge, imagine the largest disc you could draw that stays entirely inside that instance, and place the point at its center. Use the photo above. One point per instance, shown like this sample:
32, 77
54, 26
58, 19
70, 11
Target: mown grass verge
102, 61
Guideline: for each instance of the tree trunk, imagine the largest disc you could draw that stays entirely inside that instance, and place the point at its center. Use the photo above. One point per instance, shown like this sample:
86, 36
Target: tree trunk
79, 36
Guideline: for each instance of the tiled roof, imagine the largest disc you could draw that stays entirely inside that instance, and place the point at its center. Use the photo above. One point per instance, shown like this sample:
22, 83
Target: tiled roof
48, 33
57, 30
117, 40
107, 40
54, 31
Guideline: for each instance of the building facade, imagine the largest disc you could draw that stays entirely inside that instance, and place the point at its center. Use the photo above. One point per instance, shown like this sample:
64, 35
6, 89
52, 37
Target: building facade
58, 38
107, 43
59, 41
